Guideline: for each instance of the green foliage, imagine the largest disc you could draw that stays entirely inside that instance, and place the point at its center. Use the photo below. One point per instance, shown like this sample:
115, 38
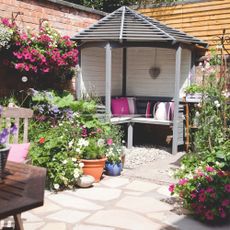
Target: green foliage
111, 5
194, 88
114, 154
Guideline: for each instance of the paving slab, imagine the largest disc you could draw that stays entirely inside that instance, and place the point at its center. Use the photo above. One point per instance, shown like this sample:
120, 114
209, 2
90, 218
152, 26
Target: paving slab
91, 227
99, 194
48, 207
114, 182
33, 226
28, 216
142, 204
123, 219
141, 186
70, 201
68, 216
54, 226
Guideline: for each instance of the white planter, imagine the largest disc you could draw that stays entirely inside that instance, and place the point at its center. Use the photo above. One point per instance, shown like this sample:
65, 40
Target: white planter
194, 97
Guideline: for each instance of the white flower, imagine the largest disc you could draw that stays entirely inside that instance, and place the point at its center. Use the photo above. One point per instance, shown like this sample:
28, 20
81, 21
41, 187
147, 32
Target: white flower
216, 102
81, 164
78, 150
56, 186
182, 167
76, 173
100, 142
64, 162
74, 159
83, 143
71, 143
197, 114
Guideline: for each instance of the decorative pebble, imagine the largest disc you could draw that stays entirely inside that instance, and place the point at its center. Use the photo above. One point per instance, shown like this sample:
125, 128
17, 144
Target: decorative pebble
137, 156
85, 181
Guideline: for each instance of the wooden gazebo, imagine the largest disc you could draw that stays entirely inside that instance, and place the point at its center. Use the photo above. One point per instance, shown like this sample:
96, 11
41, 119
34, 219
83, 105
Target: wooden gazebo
118, 52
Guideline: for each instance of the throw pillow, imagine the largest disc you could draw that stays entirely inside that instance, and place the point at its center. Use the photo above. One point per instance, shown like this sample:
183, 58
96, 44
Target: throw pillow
148, 108
132, 105
120, 107
18, 152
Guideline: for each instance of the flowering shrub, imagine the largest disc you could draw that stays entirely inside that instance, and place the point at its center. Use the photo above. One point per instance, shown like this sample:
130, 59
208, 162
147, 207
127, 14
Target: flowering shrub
5, 132
44, 53
114, 152
206, 192
6, 34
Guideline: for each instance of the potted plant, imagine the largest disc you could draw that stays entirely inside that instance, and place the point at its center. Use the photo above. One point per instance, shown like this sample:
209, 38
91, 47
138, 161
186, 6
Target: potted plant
113, 165
194, 93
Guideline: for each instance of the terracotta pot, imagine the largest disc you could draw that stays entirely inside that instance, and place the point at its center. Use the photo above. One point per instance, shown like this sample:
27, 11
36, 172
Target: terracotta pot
94, 168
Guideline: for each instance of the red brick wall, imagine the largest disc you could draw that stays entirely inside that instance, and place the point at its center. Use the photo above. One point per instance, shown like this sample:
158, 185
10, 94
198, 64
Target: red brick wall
67, 20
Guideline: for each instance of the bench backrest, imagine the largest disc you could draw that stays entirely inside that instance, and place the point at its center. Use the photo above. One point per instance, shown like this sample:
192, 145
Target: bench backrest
18, 116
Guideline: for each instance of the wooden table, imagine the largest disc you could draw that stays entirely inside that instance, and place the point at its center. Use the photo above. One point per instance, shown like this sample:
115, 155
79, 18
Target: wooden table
22, 189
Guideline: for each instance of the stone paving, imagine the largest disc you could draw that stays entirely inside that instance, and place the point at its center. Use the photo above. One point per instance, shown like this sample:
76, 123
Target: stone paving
115, 203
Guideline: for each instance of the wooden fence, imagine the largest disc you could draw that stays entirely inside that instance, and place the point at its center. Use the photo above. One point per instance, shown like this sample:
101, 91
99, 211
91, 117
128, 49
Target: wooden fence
203, 19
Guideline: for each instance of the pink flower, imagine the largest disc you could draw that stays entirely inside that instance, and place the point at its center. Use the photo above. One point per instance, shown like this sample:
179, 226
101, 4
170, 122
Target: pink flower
193, 195
222, 213
209, 215
209, 190
171, 188
19, 66
183, 181
45, 70
225, 203
227, 187
110, 141
27, 68
202, 197
84, 132
209, 169
209, 179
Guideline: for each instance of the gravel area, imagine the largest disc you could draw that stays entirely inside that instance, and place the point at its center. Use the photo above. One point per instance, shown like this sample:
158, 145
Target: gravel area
137, 156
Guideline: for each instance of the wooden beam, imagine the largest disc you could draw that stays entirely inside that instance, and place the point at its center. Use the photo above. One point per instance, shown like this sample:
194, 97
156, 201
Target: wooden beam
176, 99
79, 78
193, 68
108, 77
124, 71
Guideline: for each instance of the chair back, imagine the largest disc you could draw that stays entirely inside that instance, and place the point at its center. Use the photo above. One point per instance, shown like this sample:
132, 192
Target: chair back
18, 116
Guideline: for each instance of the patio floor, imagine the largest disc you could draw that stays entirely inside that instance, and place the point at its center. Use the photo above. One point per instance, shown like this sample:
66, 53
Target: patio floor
124, 202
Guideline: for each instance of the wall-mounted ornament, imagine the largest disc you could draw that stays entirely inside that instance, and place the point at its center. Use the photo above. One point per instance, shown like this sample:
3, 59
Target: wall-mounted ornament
154, 71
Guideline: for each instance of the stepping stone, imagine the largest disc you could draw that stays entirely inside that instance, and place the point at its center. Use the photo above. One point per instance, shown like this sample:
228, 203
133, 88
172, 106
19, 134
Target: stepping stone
119, 218
69, 201
91, 227
141, 186
133, 193
33, 226
68, 216
46, 208
29, 217
52, 226
142, 204
100, 194
114, 182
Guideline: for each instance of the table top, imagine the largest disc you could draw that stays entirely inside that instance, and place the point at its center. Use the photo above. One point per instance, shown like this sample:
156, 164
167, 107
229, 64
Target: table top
22, 188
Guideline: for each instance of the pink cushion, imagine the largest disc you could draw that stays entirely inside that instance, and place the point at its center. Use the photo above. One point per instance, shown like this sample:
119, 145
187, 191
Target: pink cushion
18, 152
120, 106
147, 112
132, 105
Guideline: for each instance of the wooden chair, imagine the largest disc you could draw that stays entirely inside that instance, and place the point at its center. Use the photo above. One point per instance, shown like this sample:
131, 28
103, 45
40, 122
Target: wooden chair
16, 115
20, 117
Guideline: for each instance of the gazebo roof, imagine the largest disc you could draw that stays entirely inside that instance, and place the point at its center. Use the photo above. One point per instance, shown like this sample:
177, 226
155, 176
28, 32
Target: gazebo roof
125, 24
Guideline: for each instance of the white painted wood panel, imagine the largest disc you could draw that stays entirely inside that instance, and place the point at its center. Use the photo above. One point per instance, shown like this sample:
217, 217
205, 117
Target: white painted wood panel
140, 60
93, 71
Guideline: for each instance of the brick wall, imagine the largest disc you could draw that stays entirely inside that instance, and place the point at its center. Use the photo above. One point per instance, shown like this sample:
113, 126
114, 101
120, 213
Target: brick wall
67, 18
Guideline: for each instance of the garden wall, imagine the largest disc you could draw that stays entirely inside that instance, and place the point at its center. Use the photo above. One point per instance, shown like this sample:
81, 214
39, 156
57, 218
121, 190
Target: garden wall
67, 18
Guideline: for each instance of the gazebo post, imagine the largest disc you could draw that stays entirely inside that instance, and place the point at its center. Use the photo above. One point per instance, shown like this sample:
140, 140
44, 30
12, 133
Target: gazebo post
79, 78
176, 99
124, 71
108, 77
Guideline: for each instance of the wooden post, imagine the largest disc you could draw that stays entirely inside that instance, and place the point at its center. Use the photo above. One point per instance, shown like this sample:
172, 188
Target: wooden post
176, 99
193, 68
130, 136
108, 77
124, 71
79, 78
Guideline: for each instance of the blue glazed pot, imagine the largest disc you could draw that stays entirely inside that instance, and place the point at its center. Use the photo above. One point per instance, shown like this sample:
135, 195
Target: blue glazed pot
113, 169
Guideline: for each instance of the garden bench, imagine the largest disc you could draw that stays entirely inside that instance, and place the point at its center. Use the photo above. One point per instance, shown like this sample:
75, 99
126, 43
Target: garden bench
140, 118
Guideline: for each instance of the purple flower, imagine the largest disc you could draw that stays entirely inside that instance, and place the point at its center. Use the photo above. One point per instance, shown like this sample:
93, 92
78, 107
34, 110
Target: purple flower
13, 129
3, 136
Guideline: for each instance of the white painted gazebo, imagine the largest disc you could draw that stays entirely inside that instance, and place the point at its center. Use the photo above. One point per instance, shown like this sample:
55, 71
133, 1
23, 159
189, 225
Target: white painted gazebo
118, 53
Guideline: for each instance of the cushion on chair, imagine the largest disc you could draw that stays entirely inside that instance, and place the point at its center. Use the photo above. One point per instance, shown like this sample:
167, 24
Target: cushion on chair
120, 106
148, 110
18, 152
132, 105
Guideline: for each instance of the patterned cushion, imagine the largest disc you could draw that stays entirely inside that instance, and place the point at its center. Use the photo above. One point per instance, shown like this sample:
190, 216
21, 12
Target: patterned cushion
18, 152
